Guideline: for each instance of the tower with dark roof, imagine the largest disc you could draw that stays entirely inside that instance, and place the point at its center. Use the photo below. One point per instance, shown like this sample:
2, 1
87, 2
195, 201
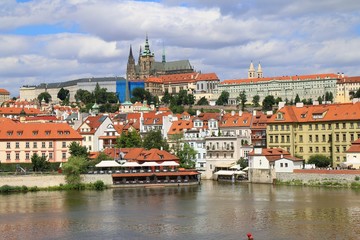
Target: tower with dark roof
130, 70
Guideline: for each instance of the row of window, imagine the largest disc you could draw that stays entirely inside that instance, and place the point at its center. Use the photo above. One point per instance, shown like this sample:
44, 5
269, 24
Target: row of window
50, 155
316, 126
210, 155
35, 145
323, 149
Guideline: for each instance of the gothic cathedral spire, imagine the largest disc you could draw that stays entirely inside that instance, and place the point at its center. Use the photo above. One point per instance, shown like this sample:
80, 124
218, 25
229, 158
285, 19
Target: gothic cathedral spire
130, 70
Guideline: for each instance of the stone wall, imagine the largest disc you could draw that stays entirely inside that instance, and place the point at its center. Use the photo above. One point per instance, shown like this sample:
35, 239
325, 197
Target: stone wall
308, 177
50, 180
261, 175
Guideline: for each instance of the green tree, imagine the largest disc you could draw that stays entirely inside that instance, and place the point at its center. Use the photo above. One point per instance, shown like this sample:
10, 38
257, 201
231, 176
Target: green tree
187, 156
309, 101
84, 96
277, 100
44, 95
268, 103
73, 168
154, 139
319, 160
138, 95
63, 94
223, 98
329, 96
356, 94
243, 162
297, 99
166, 98
100, 94
202, 101
256, 100
242, 99
76, 150
320, 99
191, 99
130, 139
39, 163
111, 97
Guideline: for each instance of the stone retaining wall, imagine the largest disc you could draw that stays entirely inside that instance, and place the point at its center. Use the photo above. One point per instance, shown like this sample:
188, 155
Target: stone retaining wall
308, 177
49, 180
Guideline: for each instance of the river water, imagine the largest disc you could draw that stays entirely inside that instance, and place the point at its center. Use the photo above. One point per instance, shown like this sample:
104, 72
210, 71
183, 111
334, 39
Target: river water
211, 210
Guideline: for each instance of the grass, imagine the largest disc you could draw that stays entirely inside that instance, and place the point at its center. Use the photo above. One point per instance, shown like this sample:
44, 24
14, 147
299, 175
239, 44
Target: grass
98, 186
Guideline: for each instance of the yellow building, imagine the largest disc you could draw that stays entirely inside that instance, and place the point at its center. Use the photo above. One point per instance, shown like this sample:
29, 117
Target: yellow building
316, 129
346, 87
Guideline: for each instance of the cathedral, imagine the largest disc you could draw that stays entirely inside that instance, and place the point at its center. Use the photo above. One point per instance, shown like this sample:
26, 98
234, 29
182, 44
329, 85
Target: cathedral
147, 66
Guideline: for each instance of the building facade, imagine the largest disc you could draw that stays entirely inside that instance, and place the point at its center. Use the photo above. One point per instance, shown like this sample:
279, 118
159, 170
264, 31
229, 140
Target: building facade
20, 141
317, 129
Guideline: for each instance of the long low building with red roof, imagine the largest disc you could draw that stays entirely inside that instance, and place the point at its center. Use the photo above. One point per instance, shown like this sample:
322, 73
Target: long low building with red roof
19, 141
286, 87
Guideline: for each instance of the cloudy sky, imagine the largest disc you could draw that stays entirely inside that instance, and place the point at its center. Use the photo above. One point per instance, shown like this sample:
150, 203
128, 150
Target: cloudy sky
59, 40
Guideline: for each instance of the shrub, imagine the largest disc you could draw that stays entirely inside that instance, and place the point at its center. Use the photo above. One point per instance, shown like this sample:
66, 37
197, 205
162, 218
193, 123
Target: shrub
99, 185
357, 178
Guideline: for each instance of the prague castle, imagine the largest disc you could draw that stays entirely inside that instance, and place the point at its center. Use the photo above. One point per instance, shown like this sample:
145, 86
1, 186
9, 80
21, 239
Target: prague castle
147, 66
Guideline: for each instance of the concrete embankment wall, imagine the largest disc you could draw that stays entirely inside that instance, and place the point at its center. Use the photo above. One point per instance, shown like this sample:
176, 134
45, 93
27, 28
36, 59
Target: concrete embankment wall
49, 180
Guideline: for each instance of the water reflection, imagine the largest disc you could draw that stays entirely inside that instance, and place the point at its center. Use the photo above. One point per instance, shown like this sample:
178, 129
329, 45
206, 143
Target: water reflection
209, 211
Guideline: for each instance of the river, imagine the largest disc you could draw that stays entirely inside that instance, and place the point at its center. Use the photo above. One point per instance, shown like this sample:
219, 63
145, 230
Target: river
211, 210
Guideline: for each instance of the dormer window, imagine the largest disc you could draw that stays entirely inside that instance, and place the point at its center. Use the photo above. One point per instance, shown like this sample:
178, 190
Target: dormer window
60, 132
279, 116
47, 133
35, 133
19, 133
9, 133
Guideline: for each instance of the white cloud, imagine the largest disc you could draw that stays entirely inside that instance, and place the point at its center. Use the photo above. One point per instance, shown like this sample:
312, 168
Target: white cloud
287, 37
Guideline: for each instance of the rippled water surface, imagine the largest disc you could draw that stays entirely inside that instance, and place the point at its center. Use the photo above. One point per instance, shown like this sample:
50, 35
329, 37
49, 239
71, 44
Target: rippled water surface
209, 211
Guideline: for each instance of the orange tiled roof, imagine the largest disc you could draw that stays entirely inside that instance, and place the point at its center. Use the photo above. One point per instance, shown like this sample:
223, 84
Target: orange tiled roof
131, 154
283, 78
156, 155
26, 131
93, 122
273, 154
177, 127
41, 118
236, 121
318, 113
17, 110
4, 91
355, 147
184, 77
355, 79
259, 121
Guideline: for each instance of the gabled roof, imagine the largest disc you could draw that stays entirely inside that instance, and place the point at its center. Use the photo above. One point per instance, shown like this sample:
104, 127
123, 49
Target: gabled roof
355, 79
318, 113
207, 116
25, 131
283, 78
16, 111
4, 91
156, 155
236, 121
355, 147
259, 120
273, 154
179, 126
93, 122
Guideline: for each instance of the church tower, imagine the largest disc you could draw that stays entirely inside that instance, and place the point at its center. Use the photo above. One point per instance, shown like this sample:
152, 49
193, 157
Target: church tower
251, 72
147, 60
130, 70
259, 71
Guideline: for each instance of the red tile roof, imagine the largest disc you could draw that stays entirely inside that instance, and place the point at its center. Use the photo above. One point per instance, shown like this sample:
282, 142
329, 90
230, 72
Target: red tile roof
156, 155
93, 122
177, 127
273, 154
355, 79
26, 131
318, 113
236, 121
355, 147
4, 91
16, 111
283, 78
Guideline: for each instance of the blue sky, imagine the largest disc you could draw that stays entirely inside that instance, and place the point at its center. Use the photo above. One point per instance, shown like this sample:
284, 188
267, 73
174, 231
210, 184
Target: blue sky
60, 40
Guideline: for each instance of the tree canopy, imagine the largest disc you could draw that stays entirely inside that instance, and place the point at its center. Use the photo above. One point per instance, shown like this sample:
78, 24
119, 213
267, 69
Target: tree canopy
268, 103
223, 98
44, 95
319, 160
256, 100
63, 94
297, 99
154, 139
187, 156
130, 139
242, 99
39, 163
77, 150
202, 101
73, 168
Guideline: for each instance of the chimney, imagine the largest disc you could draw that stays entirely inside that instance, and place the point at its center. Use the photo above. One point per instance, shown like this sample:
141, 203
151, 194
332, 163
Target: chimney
299, 104
240, 113
232, 113
281, 104
254, 113
315, 103
342, 75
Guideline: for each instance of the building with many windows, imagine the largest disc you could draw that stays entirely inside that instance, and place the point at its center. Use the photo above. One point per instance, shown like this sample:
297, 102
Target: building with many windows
316, 129
346, 88
285, 87
19, 141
